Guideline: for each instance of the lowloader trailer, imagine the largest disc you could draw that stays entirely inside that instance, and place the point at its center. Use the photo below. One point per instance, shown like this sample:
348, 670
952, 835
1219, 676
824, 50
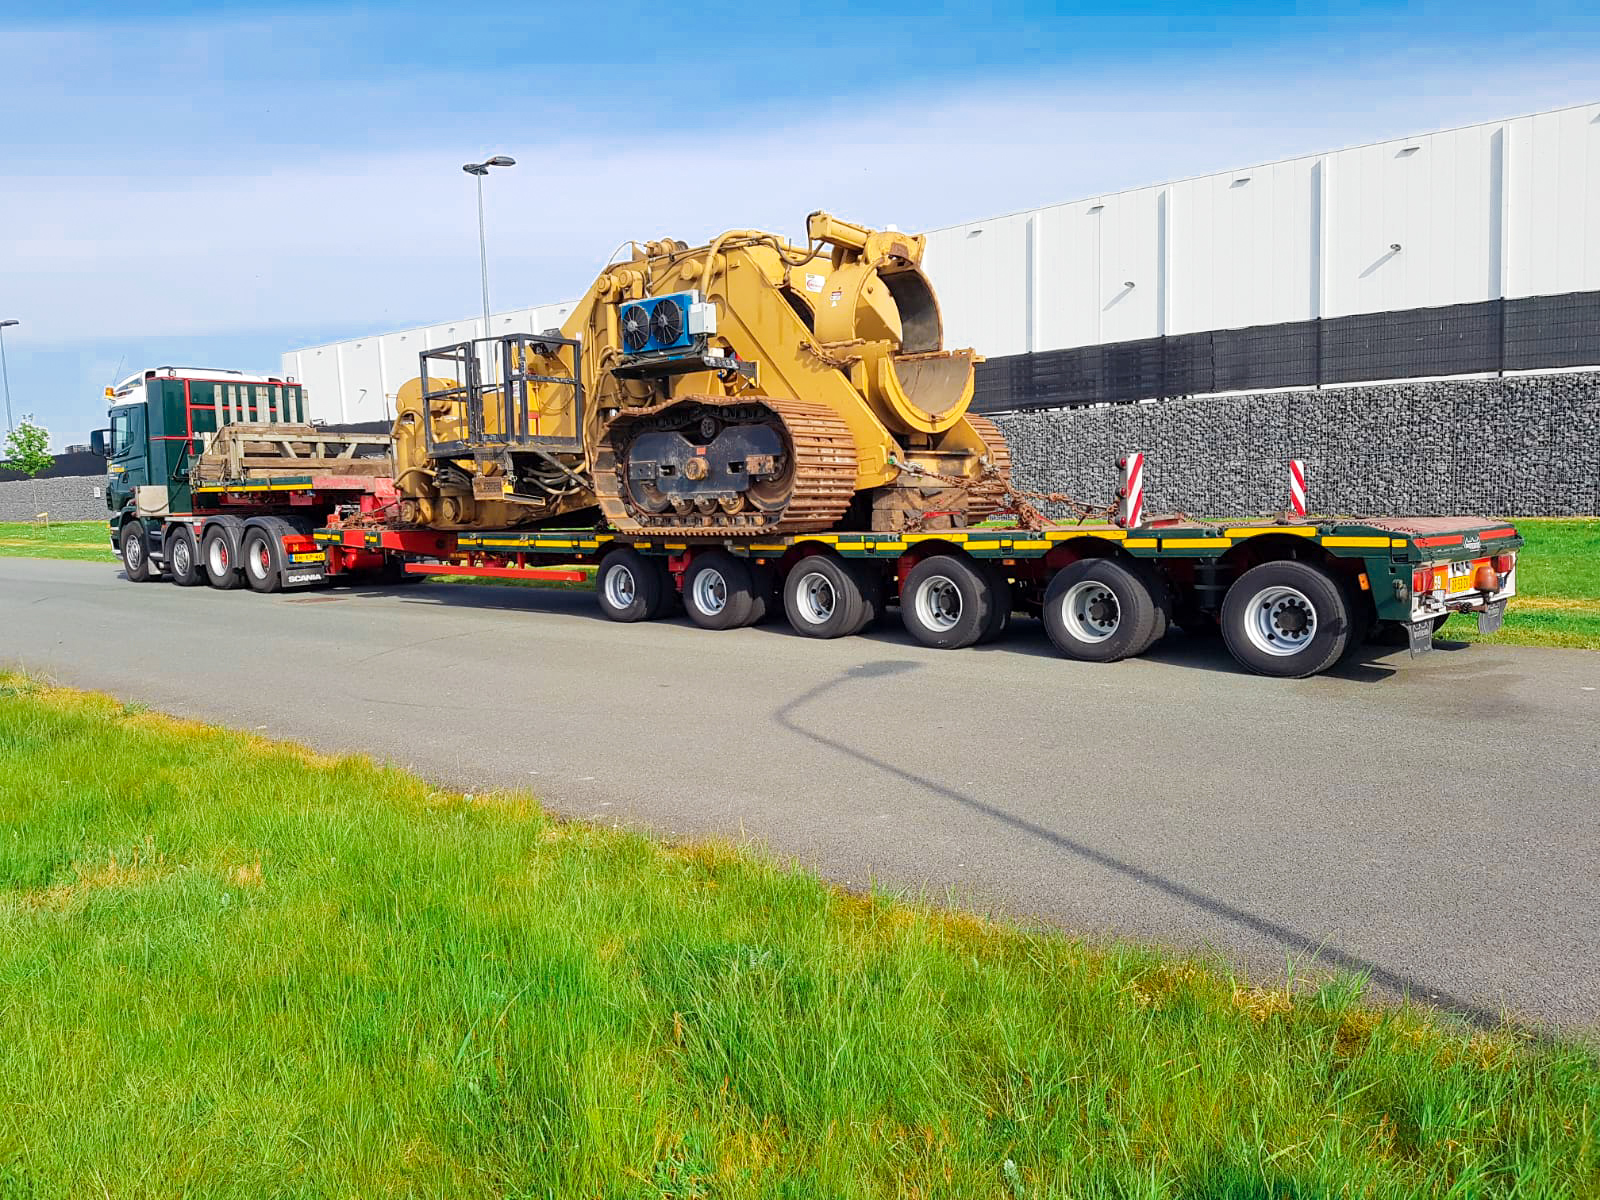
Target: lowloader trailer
272, 509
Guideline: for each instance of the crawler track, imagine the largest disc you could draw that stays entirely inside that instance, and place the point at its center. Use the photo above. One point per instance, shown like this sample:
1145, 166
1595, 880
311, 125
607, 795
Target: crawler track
823, 472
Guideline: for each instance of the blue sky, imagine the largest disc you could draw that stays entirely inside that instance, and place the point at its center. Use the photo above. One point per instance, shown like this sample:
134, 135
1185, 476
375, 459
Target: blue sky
217, 183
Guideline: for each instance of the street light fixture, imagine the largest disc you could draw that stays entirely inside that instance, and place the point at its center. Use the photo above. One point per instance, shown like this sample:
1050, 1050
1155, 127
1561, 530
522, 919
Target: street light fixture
480, 170
4, 371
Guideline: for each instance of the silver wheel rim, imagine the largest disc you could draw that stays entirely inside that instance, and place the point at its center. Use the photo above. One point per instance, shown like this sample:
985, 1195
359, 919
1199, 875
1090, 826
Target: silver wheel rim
620, 587
217, 557
816, 597
1090, 611
256, 559
710, 591
939, 603
180, 556
1280, 621
133, 551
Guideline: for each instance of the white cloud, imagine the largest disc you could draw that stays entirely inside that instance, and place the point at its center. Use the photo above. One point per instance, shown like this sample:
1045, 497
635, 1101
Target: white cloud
343, 239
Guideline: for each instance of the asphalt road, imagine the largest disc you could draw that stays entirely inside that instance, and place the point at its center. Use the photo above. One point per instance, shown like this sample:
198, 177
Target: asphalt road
1434, 823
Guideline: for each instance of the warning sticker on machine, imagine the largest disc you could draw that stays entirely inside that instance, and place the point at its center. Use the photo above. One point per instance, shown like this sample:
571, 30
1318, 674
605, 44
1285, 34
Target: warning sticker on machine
833, 300
813, 282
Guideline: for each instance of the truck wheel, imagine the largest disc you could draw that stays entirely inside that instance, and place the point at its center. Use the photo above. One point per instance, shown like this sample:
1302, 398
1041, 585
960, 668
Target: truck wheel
824, 598
1098, 610
219, 553
1000, 609
719, 591
630, 587
947, 602
183, 557
136, 554
262, 553
1287, 619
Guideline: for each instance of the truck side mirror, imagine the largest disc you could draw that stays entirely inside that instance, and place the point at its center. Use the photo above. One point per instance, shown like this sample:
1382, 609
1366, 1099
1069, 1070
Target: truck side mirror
98, 443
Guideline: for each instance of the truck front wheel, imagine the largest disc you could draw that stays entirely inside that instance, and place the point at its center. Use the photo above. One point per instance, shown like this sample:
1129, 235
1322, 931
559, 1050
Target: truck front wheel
1287, 619
136, 554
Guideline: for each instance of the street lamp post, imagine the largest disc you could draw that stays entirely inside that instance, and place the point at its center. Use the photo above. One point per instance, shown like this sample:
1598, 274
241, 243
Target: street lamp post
5, 371
480, 170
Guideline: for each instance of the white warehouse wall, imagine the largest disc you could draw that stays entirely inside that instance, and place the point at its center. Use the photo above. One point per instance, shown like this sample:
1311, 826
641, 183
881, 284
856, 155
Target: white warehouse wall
1502, 209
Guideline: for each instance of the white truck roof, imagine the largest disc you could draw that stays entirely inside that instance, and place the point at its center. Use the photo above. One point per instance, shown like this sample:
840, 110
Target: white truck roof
213, 373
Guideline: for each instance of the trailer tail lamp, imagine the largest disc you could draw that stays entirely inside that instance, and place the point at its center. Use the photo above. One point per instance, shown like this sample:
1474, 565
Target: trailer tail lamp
1428, 579
1504, 562
1485, 580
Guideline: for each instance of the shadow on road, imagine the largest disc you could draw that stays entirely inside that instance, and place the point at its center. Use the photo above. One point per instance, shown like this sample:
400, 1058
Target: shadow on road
1291, 940
1026, 635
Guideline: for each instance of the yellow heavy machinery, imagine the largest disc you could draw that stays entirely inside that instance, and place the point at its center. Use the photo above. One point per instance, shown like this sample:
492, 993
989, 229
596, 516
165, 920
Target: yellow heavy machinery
745, 386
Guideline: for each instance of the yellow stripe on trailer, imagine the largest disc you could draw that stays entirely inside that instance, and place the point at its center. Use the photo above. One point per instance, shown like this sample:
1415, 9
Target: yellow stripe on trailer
769, 547
1045, 545
674, 545
1211, 543
1371, 542
1140, 543
888, 546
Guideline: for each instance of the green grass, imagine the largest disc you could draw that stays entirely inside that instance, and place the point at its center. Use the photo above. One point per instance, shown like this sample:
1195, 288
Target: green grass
234, 968
1558, 577
87, 541
1558, 588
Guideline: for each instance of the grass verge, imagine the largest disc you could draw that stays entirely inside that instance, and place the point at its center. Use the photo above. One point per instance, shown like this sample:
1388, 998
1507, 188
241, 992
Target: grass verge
85, 541
1559, 577
231, 967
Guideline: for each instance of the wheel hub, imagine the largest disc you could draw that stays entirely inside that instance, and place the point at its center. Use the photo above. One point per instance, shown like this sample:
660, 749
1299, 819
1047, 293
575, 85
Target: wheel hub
1281, 621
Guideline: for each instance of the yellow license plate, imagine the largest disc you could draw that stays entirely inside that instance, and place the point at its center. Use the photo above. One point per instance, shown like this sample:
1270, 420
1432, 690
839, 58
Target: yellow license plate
306, 558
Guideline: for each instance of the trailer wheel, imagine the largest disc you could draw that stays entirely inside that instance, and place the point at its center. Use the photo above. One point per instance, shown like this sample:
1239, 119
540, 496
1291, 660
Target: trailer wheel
631, 587
183, 557
1098, 610
219, 552
947, 602
1288, 619
1161, 594
136, 554
1000, 608
262, 552
826, 597
719, 591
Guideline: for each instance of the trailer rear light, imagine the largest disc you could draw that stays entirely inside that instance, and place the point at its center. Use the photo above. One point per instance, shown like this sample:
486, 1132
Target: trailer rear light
1421, 580
1504, 562
1485, 579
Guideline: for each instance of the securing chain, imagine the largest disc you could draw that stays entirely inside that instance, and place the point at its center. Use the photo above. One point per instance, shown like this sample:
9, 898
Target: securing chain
996, 488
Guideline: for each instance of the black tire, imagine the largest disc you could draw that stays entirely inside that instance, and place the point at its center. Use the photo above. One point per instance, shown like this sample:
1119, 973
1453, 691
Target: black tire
630, 587
719, 591
135, 553
1286, 619
183, 557
1000, 607
219, 552
261, 557
1099, 610
824, 598
1161, 593
947, 602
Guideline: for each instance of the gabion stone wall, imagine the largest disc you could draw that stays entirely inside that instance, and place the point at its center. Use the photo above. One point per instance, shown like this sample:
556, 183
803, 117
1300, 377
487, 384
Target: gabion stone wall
1525, 446
67, 498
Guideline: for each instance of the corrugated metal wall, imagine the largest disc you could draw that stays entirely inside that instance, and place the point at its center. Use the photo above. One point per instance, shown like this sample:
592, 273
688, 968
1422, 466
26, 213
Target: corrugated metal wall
1504, 209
